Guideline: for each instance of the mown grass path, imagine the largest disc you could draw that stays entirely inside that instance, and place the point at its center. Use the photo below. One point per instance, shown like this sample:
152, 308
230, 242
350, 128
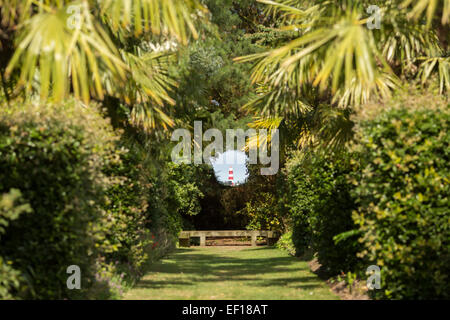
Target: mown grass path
230, 273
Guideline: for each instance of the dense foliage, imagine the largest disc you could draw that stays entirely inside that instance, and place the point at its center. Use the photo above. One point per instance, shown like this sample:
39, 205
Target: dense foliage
128, 239
364, 177
61, 150
320, 207
340, 57
403, 197
285, 243
384, 202
10, 209
91, 202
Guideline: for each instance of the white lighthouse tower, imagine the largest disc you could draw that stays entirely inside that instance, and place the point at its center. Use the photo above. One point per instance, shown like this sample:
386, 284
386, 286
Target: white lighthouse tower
230, 176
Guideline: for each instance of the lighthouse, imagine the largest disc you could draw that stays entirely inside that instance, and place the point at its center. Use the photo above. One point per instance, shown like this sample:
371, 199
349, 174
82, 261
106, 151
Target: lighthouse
230, 176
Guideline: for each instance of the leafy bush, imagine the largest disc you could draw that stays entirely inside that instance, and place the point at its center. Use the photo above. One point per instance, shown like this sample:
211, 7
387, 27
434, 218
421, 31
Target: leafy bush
262, 213
285, 243
95, 202
128, 239
320, 207
184, 191
299, 201
403, 191
55, 155
10, 209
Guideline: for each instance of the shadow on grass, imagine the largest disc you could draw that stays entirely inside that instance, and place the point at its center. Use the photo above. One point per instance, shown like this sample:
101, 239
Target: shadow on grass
204, 266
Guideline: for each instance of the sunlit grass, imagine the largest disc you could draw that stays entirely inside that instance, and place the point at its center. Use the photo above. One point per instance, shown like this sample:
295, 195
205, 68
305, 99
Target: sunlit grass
230, 273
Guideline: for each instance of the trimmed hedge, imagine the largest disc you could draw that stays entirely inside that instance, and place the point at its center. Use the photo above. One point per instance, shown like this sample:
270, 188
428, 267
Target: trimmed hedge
403, 197
54, 154
320, 207
384, 202
95, 198
11, 207
141, 226
128, 239
285, 243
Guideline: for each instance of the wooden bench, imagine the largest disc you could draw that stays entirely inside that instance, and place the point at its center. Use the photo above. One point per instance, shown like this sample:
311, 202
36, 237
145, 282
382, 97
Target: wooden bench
185, 236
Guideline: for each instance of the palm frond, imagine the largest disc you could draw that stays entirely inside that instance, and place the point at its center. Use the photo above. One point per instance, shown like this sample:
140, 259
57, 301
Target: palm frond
170, 17
68, 47
341, 58
149, 79
148, 89
279, 101
62, 57
262, 141
442, 65
429, 8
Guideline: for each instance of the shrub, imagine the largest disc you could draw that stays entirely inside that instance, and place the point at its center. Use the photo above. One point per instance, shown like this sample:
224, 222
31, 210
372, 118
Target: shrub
184, 191
55, 155
320, 207
166, 223
403, 191
299, 201
10, 209
128, 239
262, 212
285, 243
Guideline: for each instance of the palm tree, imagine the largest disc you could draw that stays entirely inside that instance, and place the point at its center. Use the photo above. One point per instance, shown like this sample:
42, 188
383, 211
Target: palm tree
93, 48
338, 62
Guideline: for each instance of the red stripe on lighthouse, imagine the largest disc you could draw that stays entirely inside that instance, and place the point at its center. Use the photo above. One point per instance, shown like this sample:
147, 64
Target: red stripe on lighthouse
230, 176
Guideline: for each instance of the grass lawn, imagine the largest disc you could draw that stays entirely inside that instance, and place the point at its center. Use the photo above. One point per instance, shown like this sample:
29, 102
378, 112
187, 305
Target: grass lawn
230, 273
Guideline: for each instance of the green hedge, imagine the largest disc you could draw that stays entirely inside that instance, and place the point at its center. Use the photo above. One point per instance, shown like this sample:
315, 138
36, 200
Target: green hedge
285, 243
97, 201
384, 201
142, 225
55, 154
403, 191
128, 238
11, 207
320, 207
